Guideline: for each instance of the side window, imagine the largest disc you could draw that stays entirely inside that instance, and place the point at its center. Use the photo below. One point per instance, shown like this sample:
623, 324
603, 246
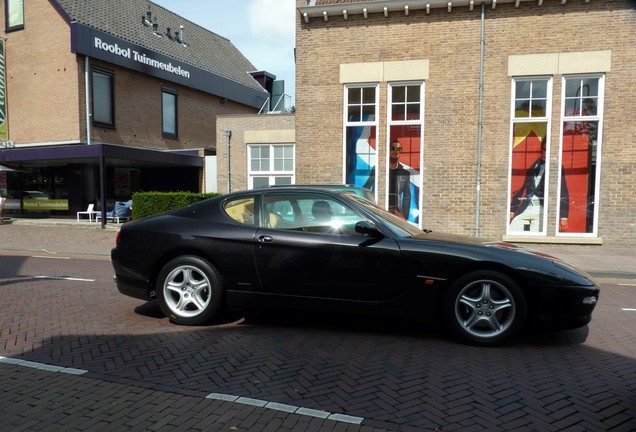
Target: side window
169, 122
103, 98
309, 213
241, 210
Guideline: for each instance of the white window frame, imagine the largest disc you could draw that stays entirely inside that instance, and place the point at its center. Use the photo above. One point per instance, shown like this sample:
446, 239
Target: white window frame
347, 123
271, 174
598, 117
514, 120
417, 122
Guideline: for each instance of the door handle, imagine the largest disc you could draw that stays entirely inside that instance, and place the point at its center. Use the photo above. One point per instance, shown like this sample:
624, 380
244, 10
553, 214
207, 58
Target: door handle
265, 239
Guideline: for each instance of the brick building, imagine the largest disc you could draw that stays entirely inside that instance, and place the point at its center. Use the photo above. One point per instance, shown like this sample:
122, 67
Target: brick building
444, 109
104, 98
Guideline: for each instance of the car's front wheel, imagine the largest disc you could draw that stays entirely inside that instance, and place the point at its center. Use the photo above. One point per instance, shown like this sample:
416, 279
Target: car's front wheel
485, 308
189, 290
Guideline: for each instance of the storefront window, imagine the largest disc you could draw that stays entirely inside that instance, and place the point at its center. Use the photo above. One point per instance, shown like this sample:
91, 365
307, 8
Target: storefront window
271, 165
404, 152
580, 151
528, 169
360, 133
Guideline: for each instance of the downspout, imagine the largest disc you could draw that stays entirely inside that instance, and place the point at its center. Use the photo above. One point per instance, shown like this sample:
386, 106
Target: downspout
88, 99
480, 122
228, 135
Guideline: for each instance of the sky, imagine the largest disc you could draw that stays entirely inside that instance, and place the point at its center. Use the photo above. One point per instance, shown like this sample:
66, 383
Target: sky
263, 30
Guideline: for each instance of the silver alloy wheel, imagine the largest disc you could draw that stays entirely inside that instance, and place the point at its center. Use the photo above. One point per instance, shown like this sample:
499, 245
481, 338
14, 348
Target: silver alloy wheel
187, 291
485, 308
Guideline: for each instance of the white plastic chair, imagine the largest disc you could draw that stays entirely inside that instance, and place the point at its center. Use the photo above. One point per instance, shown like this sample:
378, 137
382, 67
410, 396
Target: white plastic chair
89, 211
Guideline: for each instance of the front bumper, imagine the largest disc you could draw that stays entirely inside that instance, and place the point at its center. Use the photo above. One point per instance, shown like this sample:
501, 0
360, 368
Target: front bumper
565, 307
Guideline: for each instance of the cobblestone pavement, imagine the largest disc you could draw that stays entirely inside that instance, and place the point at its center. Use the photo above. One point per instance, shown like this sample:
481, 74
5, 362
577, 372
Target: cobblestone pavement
76, 355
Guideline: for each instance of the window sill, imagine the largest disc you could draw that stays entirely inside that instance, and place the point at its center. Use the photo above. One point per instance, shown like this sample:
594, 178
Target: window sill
553, 240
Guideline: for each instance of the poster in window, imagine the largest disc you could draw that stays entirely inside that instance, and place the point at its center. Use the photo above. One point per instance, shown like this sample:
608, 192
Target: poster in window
14, 14
527, 178
404, 172
578, 157
360, 156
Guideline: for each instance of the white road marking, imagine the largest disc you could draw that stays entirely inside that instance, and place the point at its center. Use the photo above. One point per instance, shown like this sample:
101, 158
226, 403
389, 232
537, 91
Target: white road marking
65, 278
629, 310
49, 257
286, 408
626, 284
218, 396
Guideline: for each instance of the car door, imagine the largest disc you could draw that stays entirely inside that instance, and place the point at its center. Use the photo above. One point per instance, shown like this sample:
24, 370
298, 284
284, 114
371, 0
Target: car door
302, 252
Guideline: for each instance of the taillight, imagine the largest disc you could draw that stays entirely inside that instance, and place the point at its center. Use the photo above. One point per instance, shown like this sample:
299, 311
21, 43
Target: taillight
117, 238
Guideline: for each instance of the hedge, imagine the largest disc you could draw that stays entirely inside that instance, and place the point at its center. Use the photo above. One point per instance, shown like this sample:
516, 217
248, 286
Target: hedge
152, 203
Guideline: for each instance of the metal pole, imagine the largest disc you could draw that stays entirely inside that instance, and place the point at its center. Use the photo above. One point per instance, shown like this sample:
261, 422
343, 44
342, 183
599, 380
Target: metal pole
88, 99
228, 135
480, 126
102, 184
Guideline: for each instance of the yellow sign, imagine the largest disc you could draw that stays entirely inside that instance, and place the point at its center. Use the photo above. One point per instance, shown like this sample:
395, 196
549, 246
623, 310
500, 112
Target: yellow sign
45, 204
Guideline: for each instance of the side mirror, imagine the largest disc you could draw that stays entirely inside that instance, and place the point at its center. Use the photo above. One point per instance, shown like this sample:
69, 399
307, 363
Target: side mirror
366, 227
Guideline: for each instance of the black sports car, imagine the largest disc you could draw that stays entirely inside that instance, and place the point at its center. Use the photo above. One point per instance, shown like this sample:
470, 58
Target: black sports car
309, 248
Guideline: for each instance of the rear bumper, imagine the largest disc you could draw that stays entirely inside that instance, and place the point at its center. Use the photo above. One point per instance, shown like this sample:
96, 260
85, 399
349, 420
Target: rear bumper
132, 288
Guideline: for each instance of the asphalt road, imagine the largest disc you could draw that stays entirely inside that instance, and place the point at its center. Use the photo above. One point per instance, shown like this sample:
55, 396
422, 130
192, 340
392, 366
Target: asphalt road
79, 356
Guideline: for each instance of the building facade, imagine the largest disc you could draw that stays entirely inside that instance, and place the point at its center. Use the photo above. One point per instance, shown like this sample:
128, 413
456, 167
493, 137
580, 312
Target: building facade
504, 119
102, 99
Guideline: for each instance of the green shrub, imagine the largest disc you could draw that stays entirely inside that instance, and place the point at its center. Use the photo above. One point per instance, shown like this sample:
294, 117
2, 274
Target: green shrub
152, 203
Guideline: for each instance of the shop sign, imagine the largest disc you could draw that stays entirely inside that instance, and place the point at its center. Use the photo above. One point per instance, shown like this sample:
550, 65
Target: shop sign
44, 204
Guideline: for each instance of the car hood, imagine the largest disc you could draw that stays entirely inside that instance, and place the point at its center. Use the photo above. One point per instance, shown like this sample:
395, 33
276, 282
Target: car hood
534, 255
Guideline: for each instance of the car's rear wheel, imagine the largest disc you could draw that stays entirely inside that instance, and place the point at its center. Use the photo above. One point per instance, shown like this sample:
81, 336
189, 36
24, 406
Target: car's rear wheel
485, 308
189, 290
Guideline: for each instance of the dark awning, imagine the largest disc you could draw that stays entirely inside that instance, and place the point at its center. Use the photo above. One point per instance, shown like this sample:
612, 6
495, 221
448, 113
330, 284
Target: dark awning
84, 154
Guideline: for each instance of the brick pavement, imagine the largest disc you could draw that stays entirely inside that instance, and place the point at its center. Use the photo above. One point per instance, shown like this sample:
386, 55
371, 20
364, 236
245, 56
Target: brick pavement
391, 376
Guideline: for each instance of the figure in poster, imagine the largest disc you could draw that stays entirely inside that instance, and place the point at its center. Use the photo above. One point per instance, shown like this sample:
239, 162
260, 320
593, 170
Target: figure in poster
526, 206
399, 183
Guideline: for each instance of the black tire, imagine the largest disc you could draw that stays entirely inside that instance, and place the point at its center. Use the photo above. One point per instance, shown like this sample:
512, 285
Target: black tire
189, 290
485, 308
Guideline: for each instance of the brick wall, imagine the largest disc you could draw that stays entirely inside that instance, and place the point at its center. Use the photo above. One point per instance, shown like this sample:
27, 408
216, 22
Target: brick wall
451, 43
46, 93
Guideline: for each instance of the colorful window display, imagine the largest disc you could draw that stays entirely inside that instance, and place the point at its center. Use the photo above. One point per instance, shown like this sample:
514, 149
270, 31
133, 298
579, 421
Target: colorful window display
528, 169
579, 155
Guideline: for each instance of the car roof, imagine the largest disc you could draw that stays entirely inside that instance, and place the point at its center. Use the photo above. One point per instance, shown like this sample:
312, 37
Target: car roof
349, 188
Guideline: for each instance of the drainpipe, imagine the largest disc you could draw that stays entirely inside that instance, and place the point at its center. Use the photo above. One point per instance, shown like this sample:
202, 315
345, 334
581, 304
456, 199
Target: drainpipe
480, 122
88, 106
228, 135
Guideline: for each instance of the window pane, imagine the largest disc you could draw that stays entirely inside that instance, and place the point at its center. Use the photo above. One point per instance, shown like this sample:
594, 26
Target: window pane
169, 110
413, 111
539, 89
354, 96
368, 112
261, 182
527, 178
282, 181
577, 194
413, 94
368, 95
399, 94
539, 108
522, 90
102, 98
404, 171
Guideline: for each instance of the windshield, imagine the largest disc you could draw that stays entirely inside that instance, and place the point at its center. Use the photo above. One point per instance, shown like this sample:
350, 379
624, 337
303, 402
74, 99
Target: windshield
399, 227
